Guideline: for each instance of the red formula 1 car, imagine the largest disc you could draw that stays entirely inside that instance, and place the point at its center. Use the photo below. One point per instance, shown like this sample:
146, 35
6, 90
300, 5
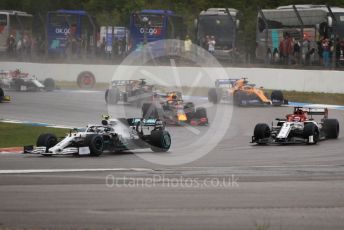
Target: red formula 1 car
298, 127
171, 108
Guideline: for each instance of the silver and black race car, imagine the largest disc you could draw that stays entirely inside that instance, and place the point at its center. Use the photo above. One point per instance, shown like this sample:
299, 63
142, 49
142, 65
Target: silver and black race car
129, 91
113, 135
298, 127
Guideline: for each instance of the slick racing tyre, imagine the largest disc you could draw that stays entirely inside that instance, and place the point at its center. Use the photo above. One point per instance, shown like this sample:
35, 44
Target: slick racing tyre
261, 131
18, 83
331, 128
96, 144
46, 140
214, 95
189, 109
201, 112
2, 94
309, 130
160, 141
112, 96
239, 97
277, 97
49, 84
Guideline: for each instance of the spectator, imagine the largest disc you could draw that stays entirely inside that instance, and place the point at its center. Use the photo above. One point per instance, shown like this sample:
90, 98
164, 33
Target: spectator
102, 47
341, 51
205, 42
27, 43
338, 52
289, 48
325, 44
320, 50
282, 50
11, 44
211, 45
296, 51
307, 50
115, 48
187, 46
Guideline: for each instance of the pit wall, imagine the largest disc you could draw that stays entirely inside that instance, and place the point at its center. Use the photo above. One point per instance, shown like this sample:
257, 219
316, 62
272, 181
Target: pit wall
326, 81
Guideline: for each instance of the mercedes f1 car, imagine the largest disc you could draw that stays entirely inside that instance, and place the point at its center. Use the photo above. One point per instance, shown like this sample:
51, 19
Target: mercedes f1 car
129, 91
298, 127
3, 97
241, 93
171, 108
19, 81
112, 135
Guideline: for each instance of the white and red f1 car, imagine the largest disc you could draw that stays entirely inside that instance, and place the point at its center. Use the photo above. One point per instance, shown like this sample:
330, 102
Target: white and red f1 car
19, 81
298, 127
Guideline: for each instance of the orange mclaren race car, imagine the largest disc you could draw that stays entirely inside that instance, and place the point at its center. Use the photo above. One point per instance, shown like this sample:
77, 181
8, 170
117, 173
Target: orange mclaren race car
241, 93
171, 108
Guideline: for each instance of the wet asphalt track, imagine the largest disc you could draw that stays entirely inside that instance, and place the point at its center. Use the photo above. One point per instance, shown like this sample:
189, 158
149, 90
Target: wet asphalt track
285, 187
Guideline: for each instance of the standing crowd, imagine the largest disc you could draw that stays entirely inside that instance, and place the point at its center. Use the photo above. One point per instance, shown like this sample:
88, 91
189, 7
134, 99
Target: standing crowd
20, 45
289, 51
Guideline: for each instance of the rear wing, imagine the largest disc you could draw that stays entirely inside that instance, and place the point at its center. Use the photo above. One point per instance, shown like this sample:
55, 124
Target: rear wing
313, 111
228, 81
128, 82
151, 122
121, 82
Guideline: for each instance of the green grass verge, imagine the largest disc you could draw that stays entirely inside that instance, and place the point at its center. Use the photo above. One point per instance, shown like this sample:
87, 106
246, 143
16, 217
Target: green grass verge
17, 135
315, 98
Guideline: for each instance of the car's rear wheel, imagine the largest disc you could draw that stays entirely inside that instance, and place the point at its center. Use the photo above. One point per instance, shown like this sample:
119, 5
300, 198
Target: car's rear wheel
261, 131
201, 112
160, 141
46, 140
96, 145
331, 128
239, 97
49, 84
214, 95
2, 94
18, 83
112, 96
277, 97
311, 131
189, 109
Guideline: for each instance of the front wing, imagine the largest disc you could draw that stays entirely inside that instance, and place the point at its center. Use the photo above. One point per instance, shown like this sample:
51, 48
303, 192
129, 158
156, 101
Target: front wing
66, 151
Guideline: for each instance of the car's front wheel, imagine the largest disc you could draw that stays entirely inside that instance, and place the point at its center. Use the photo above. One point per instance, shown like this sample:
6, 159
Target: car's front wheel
261, 132
96, 145
331, 128
311, 133
160, 141
46, 140
2, 94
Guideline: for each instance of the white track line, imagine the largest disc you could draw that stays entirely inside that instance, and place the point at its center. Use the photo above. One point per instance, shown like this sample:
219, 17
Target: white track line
27, 171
